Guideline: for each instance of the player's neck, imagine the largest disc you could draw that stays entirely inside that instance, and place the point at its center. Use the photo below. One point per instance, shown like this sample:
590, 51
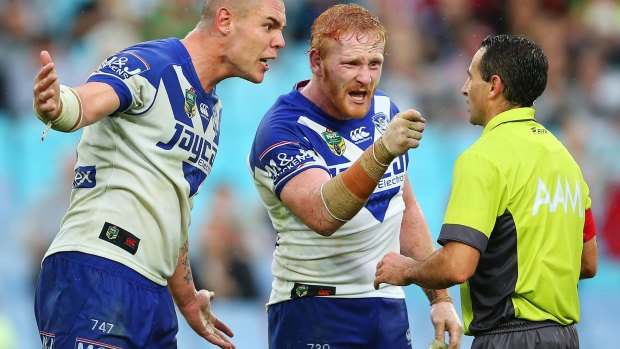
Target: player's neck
203, 51
312, 92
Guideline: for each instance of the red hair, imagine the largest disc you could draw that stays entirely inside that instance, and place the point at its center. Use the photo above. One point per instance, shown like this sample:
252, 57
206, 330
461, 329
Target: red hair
346, 20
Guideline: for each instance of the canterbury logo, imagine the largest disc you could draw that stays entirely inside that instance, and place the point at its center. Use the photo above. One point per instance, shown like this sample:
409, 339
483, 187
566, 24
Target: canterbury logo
358, 134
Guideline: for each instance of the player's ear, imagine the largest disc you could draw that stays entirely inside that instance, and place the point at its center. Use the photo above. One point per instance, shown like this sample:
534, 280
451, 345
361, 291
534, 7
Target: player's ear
223, 20
316, 63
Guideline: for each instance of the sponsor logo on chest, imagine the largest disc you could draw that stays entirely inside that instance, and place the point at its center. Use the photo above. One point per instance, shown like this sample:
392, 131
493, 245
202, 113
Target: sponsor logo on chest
202, 152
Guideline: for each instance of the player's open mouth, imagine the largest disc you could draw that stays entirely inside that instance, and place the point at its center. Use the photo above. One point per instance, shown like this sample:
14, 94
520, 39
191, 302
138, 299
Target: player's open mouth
358, 96
265, 62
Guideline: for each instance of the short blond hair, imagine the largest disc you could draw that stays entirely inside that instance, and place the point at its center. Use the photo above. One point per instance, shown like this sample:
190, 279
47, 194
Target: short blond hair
343, 19
241, 7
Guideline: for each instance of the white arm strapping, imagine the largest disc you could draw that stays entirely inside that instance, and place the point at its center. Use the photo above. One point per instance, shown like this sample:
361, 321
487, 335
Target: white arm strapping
71, 115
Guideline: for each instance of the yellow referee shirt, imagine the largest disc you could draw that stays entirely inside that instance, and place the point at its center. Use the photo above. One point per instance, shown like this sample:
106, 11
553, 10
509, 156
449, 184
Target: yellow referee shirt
518, 197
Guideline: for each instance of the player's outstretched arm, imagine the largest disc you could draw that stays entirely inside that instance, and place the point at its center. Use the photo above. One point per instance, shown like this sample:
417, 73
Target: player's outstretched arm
196, 305
68, 109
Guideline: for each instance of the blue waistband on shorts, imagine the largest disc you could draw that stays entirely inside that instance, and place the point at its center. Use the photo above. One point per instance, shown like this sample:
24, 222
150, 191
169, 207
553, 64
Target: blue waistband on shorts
107, 265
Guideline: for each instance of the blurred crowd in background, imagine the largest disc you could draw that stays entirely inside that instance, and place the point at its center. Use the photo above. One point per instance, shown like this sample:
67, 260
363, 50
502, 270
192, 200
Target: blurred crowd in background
430, 46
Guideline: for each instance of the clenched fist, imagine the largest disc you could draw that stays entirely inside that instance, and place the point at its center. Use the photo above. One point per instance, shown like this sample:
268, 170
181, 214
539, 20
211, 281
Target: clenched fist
404, 132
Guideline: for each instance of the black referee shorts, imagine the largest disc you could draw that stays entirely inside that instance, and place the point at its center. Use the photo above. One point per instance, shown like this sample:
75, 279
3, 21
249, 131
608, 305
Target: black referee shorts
550, 336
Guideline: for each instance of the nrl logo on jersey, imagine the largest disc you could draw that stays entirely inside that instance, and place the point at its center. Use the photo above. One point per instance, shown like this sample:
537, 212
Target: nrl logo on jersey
112, 232
335, 142
381, 121
301, 290
190, 102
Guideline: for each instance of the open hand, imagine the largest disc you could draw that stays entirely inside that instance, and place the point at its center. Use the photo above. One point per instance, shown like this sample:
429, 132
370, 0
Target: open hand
46, 90
200, 318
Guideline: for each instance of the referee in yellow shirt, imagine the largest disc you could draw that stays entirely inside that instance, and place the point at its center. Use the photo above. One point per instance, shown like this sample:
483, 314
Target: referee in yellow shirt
518, 233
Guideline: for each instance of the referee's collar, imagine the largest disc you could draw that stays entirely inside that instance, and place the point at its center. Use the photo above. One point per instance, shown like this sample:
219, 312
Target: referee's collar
511, 115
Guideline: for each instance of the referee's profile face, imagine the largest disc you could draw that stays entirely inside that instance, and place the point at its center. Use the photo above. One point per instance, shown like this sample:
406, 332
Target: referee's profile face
476, 91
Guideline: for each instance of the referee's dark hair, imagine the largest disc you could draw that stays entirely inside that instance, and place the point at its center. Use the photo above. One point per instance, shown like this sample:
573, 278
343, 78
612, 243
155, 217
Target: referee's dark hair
519, 62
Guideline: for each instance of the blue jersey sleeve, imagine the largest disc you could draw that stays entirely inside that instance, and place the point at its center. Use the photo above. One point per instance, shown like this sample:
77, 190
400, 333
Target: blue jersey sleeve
117, 70
135, 73
282, 152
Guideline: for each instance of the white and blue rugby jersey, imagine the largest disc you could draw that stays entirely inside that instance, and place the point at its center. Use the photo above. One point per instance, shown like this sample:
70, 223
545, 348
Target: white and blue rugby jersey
138, 169
296, 135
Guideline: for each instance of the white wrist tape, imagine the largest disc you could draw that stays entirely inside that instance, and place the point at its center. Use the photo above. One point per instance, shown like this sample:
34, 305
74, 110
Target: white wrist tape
71, 116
